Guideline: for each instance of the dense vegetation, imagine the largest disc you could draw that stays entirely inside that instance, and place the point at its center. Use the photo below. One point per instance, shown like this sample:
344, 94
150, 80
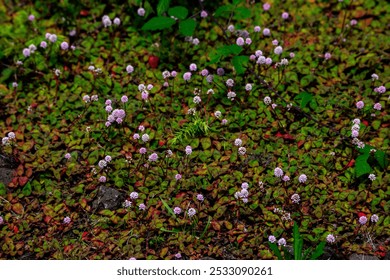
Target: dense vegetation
174, 130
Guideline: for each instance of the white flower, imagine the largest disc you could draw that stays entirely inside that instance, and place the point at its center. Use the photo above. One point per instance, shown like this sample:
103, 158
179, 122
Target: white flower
372, 177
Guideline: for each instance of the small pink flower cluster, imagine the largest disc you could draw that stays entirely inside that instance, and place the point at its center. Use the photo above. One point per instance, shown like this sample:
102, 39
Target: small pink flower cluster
243, 194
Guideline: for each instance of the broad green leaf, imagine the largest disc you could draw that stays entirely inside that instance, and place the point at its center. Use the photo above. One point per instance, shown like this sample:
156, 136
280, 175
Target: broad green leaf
241, 13
187, 27
303, 99
27, 189
240, 63
158, 23
380, 156
224, 11
179, 12
162, 6
228, 50
361, 165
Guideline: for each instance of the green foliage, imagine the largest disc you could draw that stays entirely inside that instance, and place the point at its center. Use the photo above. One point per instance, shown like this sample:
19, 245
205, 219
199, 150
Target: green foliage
197, 127
187, 27
298, 252
179, 12
163, 6
158, 23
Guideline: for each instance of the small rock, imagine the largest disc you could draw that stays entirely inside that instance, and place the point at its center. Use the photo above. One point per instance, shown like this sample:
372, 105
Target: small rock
108, 198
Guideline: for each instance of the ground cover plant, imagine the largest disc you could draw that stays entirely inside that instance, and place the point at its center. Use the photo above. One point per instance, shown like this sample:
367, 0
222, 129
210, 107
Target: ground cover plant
194, 129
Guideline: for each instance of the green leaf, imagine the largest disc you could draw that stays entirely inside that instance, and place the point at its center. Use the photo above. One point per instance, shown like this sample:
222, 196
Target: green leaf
303, 99
224, 11
179, 12
27, 189
206, 228
187, 27
276, 250
230, 49
158, 23
169, 209
361, 165
3, 189
206, 143
162, 6
298, 242
241, 13
381, 158
319, 250
239, 63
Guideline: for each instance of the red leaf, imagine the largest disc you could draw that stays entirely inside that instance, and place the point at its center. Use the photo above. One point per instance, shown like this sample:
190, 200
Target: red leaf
84, 235
279, 134
84, 13
365, 122
15, 229
288, 137
161, 143
351, 163
300, 143
360, 214
23, 180
153, 61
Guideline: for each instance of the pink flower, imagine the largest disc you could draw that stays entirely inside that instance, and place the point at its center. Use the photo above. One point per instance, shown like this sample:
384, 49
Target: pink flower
302, 178
203, 14
193, 67
178, 256
68, 156
282, 242
102, 179
31, 17
285, 15
177, 210
278, 172
377, 106
327, 56
360, 104
200, 197
266, 6
124, 99
187, 76
266, 32
330, 238
363, 220
153, 157
1, 220
142, 151
240, 41
286, 178
64, 46
141, 12
257, 29
178, 177
142, 207
248, 41
191, 212
374, 218
67, 220
292, 54
271, 239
